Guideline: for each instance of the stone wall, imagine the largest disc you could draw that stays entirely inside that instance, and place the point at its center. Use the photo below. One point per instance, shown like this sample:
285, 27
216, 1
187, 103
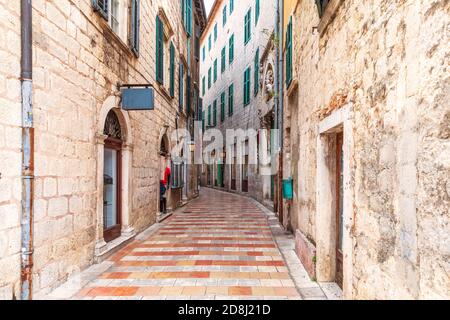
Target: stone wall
389, 60
78, 64
10, 148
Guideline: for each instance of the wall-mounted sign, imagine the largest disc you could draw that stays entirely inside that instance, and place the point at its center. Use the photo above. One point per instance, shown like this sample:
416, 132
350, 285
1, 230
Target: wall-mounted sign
138, 98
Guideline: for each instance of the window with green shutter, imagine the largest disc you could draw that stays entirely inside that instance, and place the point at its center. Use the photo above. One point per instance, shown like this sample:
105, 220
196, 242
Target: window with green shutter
215, 113
159, 50
289, 53
101, 6
203, 86
256, 67
224, 16
209, 43
135, 26
224, 59
230, 100
247, 82
172, 70
231, 50
222, 106
231, 6
215, 71
248, 26
257, 11
203, 54
215, 33
209, 78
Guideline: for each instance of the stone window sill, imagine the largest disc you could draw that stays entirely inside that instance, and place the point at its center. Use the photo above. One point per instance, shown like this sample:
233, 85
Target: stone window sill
292, 87
329, 15
111, 35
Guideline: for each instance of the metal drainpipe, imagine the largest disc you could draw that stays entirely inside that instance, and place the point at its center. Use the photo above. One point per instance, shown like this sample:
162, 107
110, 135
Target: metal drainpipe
26, 281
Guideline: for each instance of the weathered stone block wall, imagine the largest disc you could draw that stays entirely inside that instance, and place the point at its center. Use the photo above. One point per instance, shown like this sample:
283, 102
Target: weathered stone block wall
78, 63
10, 148
390, 60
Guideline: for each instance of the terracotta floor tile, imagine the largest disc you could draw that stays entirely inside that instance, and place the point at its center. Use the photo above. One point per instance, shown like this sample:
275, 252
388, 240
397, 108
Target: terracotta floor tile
194, 291
148, 291
171, 291
125, 291
240, 291
290, 292
220, 291
263, 291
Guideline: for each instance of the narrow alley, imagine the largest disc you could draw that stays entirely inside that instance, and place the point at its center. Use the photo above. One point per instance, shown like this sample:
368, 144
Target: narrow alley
218, 247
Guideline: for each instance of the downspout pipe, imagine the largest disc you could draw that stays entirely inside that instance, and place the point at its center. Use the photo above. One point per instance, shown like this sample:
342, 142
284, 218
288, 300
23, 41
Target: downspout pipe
26, 278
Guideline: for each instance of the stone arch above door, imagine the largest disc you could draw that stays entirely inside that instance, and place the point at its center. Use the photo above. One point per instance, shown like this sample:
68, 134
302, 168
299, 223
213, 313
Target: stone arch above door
113, 103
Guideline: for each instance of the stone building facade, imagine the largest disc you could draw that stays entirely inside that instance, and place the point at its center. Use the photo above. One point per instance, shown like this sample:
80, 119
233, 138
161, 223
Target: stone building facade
239, 37
81, 56
366, 140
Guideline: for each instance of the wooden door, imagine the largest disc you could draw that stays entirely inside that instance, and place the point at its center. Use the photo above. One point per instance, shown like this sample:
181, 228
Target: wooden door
339, 208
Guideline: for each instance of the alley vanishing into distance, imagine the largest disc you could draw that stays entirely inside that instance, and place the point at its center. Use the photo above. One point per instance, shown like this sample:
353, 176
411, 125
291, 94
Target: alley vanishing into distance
222, 149
220, 246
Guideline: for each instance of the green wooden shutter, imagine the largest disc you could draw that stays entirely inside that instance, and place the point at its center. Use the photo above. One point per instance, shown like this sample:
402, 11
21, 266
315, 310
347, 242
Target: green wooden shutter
256, 84
209, 78
183, 11
188, 93
247, 86
172, 70
230, 100
101, 6
209, 115
248, 26
203, 86
222, 107
231, 6
289, 53
215, 71
181, 84
224, 60
159, 51
215, 32
215, 113
209, 43
203, 121
189, 17
135, 26
257, 11
231, 49
224, 16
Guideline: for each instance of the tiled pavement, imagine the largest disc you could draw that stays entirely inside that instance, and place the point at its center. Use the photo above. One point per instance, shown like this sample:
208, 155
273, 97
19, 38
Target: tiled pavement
219, 247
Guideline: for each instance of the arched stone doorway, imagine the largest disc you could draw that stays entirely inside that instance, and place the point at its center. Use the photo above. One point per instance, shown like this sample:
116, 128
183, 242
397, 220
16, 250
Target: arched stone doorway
114, 158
